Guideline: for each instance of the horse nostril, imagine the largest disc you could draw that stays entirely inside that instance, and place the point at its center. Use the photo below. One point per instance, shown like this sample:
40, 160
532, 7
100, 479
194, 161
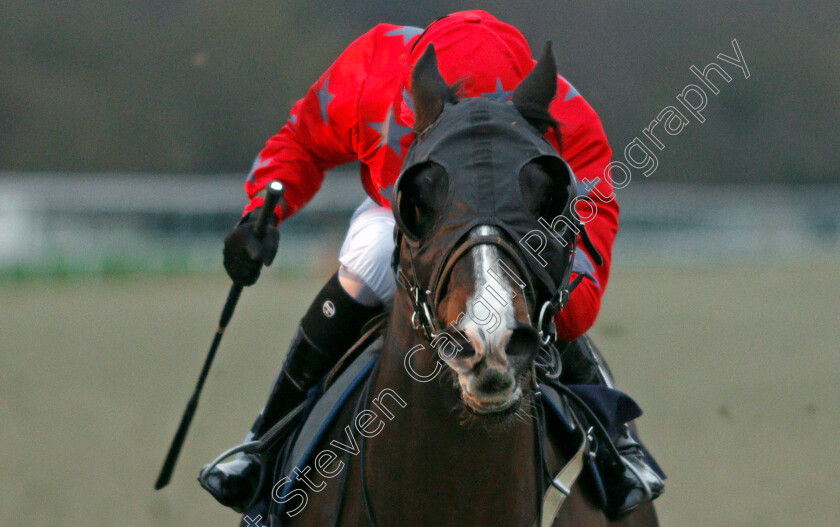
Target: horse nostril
467, 351
495, 382
524, 340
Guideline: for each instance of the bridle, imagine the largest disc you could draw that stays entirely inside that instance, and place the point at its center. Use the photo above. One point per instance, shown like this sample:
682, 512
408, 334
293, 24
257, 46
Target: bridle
425, 298
424, 319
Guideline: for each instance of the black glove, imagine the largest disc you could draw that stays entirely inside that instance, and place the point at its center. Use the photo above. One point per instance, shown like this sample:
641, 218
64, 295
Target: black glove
244, 254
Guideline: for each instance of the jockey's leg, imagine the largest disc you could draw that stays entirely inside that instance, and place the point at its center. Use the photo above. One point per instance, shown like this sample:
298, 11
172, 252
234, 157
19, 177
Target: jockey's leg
634, 481
330, 326
363, 284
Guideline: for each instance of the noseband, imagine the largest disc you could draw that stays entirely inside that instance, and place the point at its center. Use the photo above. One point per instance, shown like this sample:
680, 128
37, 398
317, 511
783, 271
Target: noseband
426, 300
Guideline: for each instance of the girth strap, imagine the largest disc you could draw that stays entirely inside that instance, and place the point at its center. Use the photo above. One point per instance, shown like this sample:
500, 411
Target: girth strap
561, 485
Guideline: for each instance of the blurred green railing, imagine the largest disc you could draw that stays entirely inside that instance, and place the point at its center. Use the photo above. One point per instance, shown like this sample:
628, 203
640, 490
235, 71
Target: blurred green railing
57, 224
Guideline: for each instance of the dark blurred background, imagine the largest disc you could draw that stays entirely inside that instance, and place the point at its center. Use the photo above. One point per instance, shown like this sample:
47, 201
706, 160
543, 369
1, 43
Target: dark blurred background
198, 86
145, 116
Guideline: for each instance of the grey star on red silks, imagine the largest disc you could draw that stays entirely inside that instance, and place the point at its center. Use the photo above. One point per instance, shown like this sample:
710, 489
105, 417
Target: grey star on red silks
406, 32
387, 192
500, 94
409, 100
258, 163
572, 93
391, 132
324, 98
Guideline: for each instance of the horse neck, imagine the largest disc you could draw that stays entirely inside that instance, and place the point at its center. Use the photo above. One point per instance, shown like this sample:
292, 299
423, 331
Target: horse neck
432, 455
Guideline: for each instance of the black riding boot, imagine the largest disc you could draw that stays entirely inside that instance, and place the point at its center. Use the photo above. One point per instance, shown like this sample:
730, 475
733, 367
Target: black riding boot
327, 330
633, 481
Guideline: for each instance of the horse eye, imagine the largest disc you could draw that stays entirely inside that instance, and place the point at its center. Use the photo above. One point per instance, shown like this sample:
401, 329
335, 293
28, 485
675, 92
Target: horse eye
421, 195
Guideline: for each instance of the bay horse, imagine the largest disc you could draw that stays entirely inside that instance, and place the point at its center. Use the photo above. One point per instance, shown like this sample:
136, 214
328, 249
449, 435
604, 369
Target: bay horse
443, 432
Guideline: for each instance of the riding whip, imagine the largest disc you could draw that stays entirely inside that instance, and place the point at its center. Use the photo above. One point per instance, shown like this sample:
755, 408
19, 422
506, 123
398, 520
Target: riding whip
274, 192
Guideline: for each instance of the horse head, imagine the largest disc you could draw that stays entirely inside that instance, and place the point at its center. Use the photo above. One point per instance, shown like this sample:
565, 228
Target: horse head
468, 204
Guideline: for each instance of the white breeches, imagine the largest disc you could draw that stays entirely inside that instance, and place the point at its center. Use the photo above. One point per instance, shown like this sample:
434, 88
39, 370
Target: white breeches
365, 255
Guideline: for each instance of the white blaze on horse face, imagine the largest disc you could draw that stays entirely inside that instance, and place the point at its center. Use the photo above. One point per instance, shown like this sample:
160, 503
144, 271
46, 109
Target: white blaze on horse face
485, 375
490, 311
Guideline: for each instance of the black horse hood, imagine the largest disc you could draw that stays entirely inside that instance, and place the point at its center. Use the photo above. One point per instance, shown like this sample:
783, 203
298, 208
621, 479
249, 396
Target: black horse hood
483, 145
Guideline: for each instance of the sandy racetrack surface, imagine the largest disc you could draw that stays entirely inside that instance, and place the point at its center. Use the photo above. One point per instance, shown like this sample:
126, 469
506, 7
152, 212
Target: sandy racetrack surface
736, 369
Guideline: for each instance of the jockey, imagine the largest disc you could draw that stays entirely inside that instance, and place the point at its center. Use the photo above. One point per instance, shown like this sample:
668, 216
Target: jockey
361, 109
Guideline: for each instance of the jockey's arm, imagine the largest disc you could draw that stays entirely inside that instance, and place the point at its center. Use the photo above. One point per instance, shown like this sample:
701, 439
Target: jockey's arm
319, 134
588, 153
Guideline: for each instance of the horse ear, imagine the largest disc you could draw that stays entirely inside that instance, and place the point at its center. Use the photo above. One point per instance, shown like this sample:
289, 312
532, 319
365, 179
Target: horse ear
536, 91
429, 90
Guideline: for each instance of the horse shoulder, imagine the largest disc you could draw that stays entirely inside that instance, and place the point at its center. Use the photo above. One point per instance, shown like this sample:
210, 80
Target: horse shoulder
644, 516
